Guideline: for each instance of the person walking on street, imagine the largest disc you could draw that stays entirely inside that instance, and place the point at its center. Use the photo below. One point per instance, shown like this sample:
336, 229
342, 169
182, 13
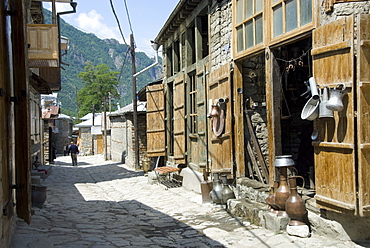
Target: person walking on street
73, 149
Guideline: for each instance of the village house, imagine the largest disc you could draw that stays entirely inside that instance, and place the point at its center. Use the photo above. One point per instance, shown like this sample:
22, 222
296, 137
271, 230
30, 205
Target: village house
242, 83
30, 66
90, 138
57, 128
122, 135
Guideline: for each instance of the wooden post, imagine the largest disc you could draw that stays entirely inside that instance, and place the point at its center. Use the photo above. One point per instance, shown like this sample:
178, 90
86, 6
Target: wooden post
92, 136
105, 130
134, 103
20, 97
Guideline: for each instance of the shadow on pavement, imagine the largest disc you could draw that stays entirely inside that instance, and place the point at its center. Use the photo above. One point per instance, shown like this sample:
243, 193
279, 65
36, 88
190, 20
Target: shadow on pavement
69, 220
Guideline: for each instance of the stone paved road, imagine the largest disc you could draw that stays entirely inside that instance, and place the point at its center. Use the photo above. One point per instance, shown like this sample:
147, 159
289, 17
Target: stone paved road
103, 204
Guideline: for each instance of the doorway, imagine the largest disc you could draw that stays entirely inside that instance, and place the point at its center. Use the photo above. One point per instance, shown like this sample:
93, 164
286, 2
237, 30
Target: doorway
295, 67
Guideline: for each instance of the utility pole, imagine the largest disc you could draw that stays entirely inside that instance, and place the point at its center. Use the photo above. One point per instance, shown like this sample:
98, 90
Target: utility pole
134, 102
105, 130
93, 124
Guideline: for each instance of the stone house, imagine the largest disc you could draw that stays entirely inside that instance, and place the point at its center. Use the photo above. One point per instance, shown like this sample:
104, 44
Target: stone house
63, 132
91, 134
57, 127
122, 134
236, 80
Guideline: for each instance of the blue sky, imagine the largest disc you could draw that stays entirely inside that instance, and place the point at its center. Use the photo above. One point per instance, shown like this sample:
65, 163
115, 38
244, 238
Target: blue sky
96, 16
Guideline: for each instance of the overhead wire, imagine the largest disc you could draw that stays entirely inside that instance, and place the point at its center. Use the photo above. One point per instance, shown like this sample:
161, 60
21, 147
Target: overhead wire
128, 17
120, 29
118, 23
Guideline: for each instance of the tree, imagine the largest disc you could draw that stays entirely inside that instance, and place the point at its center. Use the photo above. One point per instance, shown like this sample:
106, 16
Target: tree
100, 82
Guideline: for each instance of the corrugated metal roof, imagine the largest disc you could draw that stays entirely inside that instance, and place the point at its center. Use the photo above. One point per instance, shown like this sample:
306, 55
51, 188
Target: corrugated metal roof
50, 111
141, 107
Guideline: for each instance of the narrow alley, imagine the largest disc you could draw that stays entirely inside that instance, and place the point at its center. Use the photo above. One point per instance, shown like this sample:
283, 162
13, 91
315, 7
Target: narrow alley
103, 204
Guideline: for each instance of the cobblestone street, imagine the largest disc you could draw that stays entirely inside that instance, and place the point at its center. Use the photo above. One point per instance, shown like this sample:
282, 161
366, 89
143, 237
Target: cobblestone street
103, 204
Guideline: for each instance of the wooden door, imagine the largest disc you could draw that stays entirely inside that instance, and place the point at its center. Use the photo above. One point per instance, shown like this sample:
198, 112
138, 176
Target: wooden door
100, 144
179, 130
197, 121
363, 114
220, 147
155, 114
335, 170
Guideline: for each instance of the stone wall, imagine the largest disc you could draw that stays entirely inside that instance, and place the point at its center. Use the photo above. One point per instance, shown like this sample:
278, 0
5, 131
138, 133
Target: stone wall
127, 132
119, 138
85, 141
63, 137
254, 90
220, 34
344, 9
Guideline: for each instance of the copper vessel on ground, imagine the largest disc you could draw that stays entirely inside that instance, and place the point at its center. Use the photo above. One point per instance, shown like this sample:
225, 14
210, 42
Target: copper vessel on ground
295, 206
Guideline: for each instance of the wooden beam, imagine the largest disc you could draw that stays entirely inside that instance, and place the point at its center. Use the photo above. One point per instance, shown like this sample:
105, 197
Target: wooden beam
21, 112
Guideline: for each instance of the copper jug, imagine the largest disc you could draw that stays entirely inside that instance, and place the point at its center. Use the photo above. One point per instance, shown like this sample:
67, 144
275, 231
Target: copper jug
295, 206
215, 111
270, 200
283, 192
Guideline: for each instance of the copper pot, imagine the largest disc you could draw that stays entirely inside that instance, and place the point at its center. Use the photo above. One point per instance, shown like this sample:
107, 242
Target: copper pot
270, 200
295, 206
283, 192
215, 111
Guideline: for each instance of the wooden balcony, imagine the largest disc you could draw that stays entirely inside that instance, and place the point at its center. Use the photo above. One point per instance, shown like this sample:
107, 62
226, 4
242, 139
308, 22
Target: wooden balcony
43, 51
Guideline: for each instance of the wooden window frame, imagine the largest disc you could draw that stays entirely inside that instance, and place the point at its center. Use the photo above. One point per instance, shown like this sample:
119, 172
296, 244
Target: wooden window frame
294, 31
244, 21
193, 115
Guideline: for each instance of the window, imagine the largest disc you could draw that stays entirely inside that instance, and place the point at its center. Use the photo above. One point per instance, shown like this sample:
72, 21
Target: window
176, 59
290, 14
191, 55
249, 23
169, 62
193, 104
202, 28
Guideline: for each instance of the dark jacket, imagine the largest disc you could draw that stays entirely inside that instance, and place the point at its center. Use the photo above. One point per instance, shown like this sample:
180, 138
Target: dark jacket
73, 149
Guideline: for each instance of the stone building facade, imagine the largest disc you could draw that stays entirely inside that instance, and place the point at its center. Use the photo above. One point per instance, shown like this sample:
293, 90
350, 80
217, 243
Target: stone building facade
123, 137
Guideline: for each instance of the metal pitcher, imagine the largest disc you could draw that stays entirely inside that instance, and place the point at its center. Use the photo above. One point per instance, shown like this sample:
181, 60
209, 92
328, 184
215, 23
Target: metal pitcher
335, 101
323, 110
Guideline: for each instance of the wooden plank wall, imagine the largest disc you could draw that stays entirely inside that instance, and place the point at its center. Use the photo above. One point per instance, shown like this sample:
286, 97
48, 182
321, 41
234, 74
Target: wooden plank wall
333, 63
179, 103
363, 117
220, 149
156, 142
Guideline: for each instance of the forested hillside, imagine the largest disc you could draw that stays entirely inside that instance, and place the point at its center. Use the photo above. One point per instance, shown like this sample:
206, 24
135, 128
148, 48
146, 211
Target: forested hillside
85, 47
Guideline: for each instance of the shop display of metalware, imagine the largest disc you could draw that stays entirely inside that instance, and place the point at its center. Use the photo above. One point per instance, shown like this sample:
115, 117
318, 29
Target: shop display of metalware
295, 206
215, 193
284, 161
335, 101
226, 193
324, 112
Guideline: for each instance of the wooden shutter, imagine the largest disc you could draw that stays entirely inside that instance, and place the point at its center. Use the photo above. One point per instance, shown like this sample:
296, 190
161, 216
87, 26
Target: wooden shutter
335, 171
220, 148
155, 117
363, 114
22, 163
179, 120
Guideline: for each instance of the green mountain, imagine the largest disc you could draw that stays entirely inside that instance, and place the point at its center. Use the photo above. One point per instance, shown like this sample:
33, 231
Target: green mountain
85, 47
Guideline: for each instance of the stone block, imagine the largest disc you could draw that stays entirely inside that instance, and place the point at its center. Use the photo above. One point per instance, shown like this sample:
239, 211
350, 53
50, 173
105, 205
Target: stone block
246, 208
275, 223
191, 179
302, 231
152, 177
